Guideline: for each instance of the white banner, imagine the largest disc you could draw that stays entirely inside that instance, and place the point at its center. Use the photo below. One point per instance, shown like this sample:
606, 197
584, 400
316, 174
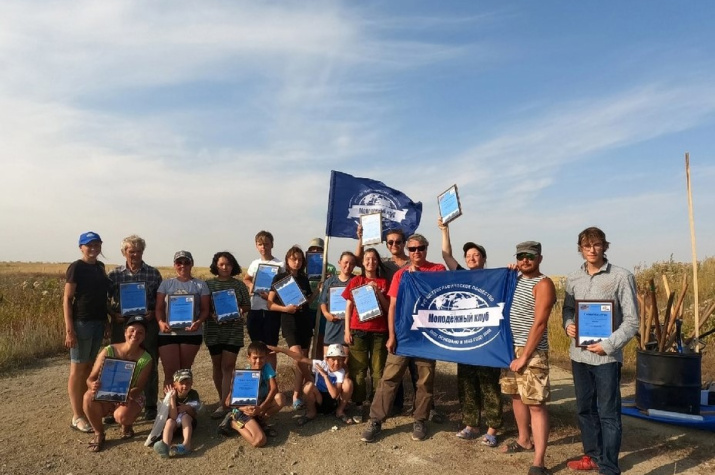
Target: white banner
459, 319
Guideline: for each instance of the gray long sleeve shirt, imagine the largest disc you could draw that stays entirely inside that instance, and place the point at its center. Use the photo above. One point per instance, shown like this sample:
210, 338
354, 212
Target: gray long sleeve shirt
609, 283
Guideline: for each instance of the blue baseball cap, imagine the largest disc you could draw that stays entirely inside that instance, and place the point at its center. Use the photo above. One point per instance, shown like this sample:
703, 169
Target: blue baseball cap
89, 236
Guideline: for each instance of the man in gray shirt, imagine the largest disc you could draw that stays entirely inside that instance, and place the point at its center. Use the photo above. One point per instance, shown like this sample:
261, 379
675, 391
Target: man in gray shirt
597, 367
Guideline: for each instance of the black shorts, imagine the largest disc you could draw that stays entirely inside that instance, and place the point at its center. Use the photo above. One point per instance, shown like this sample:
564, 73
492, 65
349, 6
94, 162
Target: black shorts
297, 329
264, 326
215, 350
329, 405
179, 340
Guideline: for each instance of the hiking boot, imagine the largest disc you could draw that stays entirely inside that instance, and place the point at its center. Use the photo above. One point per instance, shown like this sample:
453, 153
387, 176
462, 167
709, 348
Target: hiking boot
419, 430
583, 464
373, 428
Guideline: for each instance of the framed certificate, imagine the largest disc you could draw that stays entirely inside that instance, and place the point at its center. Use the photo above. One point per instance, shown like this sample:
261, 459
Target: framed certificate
115, 379
314, 265
264, 277
225, 305
371, 228
132, 298
449, 206
366, 303
594, 321
289, 291
180, 312
245, 386
336, 303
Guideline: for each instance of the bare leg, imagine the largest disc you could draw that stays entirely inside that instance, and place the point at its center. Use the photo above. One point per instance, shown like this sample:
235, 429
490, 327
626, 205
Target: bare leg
521, 414
187, 354
186, 430
217, 376
297, 374
169, 430
77, 386
228, 364
169, 355
252, 432
345, 395
540, 431
312, 399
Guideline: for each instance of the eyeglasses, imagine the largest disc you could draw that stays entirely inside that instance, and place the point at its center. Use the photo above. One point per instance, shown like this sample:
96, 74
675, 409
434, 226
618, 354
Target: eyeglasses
182, 263
417, 248
394, 242
525, 255
596, 247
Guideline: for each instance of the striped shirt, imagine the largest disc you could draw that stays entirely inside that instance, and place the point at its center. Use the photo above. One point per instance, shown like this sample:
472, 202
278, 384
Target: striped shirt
231, 332
521, 317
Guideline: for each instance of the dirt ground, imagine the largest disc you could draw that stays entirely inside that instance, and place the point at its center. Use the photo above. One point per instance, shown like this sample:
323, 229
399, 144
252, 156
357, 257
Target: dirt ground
35, 438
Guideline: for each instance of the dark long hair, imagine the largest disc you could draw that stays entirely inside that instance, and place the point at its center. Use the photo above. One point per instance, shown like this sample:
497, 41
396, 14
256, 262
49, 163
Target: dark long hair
235, 268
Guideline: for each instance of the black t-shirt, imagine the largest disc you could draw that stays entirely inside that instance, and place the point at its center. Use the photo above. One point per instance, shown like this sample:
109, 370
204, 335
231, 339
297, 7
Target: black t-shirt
391, 269
303, 283
90, 296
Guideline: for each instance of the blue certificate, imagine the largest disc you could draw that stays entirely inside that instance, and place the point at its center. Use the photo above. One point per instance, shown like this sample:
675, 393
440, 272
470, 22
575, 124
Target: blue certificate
314, 265
244, 387
337, 303
132, 298
115, 380
594, 321
449, 206
181, 310
371, 228
264, 277
225, 305
366, 303
289, 292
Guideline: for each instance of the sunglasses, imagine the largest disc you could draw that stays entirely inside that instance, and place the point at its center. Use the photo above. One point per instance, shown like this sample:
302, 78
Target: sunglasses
417, 248
182, 263
525, 255
394, 243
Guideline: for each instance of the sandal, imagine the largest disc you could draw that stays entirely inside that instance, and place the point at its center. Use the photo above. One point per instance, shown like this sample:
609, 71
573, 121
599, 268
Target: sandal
345, 419
126, 433
514, 447
467, 434
219, 413
303, 420
97, 443
298, 405
489, 440
81, 425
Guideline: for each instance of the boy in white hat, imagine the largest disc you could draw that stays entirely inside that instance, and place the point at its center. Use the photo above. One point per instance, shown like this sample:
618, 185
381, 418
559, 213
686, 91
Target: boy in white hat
332, 388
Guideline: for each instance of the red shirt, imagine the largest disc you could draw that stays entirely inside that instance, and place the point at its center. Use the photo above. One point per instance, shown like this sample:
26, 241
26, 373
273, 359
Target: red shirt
426, 267
376, 325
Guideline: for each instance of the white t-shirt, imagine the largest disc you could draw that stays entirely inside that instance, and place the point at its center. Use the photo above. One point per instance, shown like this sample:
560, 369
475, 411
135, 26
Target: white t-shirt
335, 378
257, 302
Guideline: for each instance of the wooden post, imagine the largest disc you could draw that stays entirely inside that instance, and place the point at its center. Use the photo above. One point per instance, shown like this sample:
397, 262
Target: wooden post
696, 303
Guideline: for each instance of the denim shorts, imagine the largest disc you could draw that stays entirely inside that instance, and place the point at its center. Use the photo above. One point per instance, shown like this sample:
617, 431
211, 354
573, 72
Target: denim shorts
90, 334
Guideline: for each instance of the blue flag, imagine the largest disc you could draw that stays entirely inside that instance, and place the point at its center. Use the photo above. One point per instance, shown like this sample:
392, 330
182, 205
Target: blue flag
350, 197
459, 316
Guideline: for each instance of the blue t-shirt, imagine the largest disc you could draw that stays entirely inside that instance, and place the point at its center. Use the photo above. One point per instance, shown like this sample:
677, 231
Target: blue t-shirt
267, 373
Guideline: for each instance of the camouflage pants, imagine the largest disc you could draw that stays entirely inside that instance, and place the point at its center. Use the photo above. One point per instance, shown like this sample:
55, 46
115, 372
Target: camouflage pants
479, 390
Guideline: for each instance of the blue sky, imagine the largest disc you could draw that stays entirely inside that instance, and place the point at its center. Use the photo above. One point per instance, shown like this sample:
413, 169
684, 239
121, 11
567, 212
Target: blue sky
197, 124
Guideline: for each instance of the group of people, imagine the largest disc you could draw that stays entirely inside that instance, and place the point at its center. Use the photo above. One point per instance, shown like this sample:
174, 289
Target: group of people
353, 346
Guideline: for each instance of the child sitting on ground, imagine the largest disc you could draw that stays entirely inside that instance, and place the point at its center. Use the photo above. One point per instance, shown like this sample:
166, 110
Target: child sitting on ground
252, 421
184, 405
332, 388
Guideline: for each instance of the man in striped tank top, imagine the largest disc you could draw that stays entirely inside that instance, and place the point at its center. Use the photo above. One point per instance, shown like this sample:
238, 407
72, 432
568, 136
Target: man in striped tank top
527, 379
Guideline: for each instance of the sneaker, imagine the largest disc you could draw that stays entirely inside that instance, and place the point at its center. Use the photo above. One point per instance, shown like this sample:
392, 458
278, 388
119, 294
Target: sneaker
373, 428
162, 449
583, 464
419, 430
150, 413
224, 428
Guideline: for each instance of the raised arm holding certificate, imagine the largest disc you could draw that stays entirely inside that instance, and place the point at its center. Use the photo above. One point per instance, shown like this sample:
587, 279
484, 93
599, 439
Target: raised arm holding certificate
115, 380
449, 205
289, 292
244, 387
366, 303
314, 265
225, 305
264, 277
371, 228
132, 298
337, 304
594, 321
181, 310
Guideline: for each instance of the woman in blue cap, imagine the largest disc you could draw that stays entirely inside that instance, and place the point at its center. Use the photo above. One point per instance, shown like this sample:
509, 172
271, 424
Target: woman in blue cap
85, 312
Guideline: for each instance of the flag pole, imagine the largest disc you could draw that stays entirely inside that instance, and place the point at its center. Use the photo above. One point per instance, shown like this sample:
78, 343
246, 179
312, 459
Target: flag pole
318, 311
696, 307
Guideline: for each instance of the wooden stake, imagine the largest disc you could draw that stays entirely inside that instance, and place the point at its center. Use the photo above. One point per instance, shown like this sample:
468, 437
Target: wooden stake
693, 246
669, 321
654, 310
642, 319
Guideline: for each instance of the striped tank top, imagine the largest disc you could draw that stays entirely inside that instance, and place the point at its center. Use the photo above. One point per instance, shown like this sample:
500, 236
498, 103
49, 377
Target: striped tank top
522, 312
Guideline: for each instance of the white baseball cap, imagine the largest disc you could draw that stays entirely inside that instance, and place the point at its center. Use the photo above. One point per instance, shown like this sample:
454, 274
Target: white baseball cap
335, 350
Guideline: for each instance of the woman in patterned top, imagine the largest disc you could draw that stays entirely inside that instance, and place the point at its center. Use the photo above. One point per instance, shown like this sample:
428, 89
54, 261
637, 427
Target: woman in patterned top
224, 340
